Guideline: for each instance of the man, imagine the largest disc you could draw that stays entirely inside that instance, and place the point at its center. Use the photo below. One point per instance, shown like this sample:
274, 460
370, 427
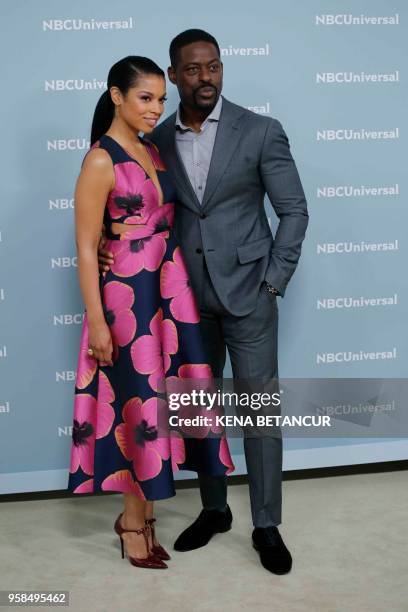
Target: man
223, 159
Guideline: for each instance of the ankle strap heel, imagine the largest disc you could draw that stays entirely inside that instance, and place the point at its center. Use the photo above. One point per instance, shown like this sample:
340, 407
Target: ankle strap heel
151, 561
157, 550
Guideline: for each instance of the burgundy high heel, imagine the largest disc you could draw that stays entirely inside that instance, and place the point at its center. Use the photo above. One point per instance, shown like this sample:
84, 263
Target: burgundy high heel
151, 561
158, 550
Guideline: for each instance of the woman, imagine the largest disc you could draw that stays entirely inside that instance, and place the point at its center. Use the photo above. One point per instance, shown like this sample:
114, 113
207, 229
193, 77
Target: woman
141, 325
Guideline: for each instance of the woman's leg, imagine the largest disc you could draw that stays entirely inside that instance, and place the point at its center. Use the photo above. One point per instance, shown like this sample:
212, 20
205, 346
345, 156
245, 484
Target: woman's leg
149, 509
134, 518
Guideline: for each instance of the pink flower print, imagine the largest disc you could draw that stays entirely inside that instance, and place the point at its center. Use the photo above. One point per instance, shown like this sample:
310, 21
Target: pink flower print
151, 354
225, 456
86, 365
175, 284
178, 450
122, 481
196, 370
161, 219
118, 300
137, 436
83, 434
195, 377
190, 377
133, 195
85, 487
136, 254
105, 414
200, 375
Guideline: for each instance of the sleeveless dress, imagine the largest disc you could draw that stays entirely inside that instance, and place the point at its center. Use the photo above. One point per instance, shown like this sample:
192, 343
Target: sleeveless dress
117, 444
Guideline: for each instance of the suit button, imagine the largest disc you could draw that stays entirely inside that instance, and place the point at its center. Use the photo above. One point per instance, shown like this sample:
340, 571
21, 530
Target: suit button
199, 250
203, 216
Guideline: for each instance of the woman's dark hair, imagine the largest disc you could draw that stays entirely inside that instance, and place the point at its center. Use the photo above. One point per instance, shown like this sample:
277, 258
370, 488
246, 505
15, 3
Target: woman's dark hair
123, 75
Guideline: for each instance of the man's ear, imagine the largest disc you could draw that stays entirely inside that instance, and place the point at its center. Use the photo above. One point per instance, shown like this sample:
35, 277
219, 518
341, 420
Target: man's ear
171, 73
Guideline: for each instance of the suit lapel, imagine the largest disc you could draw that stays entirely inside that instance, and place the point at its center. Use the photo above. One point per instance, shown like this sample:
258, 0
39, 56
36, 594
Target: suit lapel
226, 141
177, 169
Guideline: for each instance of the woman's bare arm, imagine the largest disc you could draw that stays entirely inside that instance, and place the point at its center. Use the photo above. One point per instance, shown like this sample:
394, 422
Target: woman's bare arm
93, 186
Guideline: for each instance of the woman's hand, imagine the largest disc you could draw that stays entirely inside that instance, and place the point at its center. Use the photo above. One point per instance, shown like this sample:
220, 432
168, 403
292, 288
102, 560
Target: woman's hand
100, 341
105, 258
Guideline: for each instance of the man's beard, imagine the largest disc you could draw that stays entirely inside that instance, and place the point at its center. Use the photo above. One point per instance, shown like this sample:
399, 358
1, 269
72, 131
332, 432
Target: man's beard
206, 105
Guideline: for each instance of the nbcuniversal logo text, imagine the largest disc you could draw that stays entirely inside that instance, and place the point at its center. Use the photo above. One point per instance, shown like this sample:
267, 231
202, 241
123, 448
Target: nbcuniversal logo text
65, 431
360, 302
69, 25
357, 77
348, 356
330, 248
64, 262
231, 50
61, 204
3, 352
2, 295
68, 319
262, 109
65, 376
70, 144
74, 85
362, 191
348, 19
5, 408
361, 134
355, 408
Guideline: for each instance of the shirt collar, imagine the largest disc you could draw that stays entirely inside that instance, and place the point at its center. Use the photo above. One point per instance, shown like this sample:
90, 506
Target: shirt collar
213, 116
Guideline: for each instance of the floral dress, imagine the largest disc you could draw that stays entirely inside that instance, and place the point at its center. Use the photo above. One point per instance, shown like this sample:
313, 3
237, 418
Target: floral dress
118, 443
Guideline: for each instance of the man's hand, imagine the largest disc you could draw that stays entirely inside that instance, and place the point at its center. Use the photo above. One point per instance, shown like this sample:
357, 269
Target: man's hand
271, 289
105, 258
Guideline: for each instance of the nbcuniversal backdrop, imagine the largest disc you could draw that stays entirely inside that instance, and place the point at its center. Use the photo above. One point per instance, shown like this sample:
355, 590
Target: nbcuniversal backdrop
333, 73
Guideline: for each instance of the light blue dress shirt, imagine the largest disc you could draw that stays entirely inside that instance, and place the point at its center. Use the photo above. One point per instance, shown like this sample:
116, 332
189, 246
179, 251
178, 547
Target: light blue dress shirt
195, 148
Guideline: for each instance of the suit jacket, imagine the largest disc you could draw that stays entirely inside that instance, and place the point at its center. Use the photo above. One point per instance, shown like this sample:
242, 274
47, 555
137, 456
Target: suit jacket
251, 157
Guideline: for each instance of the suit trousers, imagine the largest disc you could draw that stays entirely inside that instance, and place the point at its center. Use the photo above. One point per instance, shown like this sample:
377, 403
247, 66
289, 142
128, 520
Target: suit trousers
252, 343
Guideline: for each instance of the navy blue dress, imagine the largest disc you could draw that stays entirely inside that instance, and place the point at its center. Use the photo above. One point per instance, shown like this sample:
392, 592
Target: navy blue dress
118, 443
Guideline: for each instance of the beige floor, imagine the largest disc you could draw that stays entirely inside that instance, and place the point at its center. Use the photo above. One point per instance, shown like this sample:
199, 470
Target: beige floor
348, 536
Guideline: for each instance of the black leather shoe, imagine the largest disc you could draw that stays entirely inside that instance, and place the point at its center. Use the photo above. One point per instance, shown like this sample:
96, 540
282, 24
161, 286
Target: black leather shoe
274, 555
202, 530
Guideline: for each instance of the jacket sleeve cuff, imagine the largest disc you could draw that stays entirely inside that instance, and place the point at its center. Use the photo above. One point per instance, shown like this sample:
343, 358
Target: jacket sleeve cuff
274, 279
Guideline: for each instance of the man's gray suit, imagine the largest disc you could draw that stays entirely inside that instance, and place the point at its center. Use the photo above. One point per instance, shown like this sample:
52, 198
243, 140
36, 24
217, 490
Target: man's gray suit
229, 251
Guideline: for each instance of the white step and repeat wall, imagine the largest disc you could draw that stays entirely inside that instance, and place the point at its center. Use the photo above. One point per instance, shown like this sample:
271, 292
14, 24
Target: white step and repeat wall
334, 74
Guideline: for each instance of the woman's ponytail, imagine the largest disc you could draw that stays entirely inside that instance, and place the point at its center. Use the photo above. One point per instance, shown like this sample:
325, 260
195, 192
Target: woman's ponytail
103, 116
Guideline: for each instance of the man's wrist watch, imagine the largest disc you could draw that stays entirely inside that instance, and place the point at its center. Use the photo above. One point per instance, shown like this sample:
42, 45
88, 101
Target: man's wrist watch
271, 289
